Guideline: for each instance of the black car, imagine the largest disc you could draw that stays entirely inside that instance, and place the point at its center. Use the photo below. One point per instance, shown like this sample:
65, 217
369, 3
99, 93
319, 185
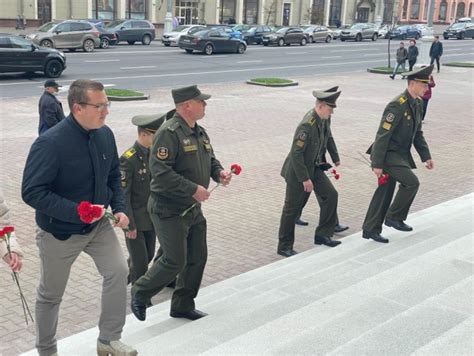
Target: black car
286, 36
459, 30
211, 41
132, 31
255, 34
19, 55
107, 38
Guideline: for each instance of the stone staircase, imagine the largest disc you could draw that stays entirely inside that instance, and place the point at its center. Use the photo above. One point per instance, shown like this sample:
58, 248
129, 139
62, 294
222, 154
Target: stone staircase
411, 296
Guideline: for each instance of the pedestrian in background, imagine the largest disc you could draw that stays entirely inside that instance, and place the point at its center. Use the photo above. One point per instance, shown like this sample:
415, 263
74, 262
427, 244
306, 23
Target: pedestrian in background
412, 54
16, 260
50, 108
427, 96
436, 51
401, 57
72, 162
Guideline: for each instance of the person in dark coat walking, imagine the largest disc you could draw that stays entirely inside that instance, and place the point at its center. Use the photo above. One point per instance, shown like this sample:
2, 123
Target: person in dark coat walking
436, 51
412, 54
402, 55
50, 108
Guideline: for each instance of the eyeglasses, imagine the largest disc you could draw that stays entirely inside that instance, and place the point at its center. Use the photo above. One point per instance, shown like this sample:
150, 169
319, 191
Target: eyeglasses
100, 107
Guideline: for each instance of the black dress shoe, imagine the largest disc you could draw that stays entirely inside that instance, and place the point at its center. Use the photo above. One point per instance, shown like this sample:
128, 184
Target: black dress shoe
287, 253
340, 228
374, 236
149, 304
138, 309
172, 284
301, 222
191, 315
324, 240
399, 225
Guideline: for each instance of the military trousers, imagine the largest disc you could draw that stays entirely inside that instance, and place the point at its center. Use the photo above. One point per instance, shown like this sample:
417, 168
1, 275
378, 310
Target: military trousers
295, 197
381, 205
305, 201
184, 245
141, 251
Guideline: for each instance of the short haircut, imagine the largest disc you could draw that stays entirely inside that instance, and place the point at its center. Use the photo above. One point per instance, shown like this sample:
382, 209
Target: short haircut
78, 91
142, 130
437, 37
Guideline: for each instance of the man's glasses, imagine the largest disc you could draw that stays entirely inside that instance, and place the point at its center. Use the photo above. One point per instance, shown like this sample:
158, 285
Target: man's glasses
100, 107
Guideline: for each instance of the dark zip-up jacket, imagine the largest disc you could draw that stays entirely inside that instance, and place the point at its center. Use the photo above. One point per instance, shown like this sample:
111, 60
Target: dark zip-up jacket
66, 165
50, 112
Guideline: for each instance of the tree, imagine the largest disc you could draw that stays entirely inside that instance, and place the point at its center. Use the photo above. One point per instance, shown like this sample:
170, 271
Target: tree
270, 11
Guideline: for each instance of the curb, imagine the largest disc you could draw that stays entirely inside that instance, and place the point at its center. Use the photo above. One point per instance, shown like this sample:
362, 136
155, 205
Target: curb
381, 71
293, 83
128, 98
463, 65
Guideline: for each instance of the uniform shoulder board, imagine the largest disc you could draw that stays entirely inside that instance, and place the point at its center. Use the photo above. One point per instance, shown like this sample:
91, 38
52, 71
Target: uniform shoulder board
173, 126
402, 99
129, 153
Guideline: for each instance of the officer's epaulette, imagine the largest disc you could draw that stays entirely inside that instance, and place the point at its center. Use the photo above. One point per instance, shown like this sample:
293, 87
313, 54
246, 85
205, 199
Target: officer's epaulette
129, 153
173, 126
402, 99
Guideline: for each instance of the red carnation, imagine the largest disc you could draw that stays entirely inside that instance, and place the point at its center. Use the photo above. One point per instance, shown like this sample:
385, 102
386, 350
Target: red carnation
235, 169
383, 179
8, 229
88, 212
333, 173
337, 176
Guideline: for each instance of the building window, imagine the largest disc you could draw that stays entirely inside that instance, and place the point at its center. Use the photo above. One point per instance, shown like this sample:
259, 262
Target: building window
388, 11
415, 9
103, 9
186, 12
426, 10
461, 10
453, 9
135, 9
405, 9
227, 11
443, 8
250, 15
335, 12
317, 12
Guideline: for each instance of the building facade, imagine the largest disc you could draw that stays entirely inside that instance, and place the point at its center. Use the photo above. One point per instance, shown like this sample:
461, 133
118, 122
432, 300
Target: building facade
274, 12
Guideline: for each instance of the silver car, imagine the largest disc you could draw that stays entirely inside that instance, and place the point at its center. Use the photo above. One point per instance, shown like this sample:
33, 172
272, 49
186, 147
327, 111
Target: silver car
359, 32
172, 38
67, 34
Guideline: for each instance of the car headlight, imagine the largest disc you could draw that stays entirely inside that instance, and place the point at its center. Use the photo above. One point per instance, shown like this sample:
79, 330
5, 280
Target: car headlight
31, 36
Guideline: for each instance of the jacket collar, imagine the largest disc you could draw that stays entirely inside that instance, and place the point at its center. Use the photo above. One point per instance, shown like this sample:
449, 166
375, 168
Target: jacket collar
184, 125
74, 123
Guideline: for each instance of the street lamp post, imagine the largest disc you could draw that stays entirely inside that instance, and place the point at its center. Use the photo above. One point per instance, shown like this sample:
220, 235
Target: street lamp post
169, 17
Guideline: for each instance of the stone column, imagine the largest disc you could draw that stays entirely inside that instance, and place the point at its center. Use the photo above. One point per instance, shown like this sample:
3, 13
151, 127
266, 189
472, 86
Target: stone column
326, 12
239, 8
343, 12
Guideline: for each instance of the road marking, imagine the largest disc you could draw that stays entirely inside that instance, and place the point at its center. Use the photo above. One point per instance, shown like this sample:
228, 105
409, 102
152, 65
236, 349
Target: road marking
139, 67
103, 60
375, 54
457, 54
345, 50
256, 61
294, 53
332, 57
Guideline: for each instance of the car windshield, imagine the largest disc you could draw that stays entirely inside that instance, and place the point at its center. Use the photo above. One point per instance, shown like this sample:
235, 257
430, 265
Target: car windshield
252, 30
283, 29
458, 26
181, 28
357, 26
47, 26
201, 33
193, 30
114, 23
20, 42
402, 28
309, 29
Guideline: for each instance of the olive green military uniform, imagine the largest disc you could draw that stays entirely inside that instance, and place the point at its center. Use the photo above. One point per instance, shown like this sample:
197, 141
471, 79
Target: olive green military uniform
400, 128
181, 159
136, 187
309, 144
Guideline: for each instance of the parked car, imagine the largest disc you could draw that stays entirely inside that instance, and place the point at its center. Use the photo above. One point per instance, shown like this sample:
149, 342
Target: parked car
107, 38
336, 33
404, 32
318, 33
69, 34
359, 32
133, 31
227, 29
211, 41
424, 30
459, 30
241, 27
286, 36
255, 34
465, 19
17, 54
383, 31
172, 38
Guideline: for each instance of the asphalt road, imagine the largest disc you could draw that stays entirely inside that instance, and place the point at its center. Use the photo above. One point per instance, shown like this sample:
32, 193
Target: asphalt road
144, 67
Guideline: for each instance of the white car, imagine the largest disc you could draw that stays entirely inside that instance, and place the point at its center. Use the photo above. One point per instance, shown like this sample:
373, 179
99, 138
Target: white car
425, 30
172, 38
382, 31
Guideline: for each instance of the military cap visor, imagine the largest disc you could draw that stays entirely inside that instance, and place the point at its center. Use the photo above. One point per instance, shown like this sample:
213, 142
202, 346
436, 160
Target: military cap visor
50, 83
192, 92
421, 74
327, 97
150, 123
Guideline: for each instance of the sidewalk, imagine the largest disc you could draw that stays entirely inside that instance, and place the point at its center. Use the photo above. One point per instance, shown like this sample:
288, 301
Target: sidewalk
252, 126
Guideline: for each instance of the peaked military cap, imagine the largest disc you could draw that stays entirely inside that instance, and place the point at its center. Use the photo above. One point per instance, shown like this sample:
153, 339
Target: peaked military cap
51, 83
421, 74
150, 123
187, 93
327, 96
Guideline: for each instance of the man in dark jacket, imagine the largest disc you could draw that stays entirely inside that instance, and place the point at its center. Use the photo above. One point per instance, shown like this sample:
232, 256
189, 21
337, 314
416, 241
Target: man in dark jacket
412, 54
400, 128
401, 56
77, 161
50, 108
436, 51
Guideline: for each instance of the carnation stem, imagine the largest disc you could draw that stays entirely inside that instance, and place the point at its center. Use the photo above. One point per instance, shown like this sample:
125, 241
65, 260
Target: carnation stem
192, 206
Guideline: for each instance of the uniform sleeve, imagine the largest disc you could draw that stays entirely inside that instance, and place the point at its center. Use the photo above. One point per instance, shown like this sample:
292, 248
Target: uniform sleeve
420, 144
300, 144
216, 166
162, 160
114, 181
332, 148
127, 174
390, 120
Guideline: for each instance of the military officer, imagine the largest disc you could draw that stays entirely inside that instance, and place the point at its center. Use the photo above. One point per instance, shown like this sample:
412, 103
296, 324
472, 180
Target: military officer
303, 175
136, 187
400, 128
182, 162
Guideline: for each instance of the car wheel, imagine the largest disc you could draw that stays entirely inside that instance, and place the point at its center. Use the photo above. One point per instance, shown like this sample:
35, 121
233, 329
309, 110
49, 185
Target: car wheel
265, 44
417, 37
303, 42
72, 49
404, 36
375, 37
343, 39
131, 42
146, 40
241, 48
328, 39
53, 68
358, 37
167, 44
208, 49
104, 43
281, 42
462, 35
88, 46
445, 37
311, 39
47, 44
189, 50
